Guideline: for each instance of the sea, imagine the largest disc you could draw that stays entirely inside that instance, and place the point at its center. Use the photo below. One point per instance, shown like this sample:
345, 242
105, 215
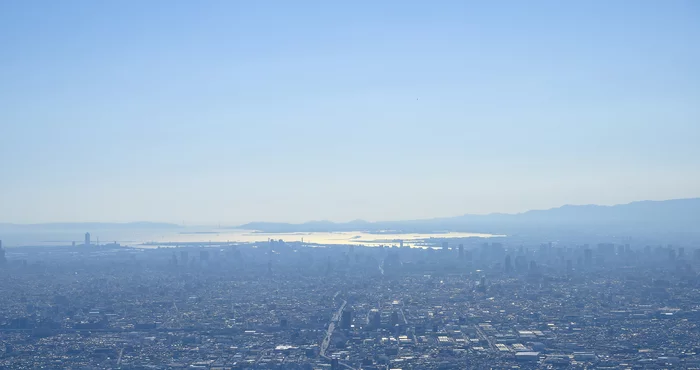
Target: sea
199, 235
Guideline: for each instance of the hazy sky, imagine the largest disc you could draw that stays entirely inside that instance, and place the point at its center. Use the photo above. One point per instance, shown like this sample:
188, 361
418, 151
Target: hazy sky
233, 111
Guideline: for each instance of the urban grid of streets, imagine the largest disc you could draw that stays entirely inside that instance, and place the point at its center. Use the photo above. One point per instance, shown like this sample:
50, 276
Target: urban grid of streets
276, 305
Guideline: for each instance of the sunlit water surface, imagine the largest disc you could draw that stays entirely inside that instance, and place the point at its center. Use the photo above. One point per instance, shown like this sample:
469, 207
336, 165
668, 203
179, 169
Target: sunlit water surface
193, 235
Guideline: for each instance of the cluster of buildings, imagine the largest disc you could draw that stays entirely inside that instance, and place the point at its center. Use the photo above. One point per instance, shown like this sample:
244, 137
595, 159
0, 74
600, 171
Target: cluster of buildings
275, 305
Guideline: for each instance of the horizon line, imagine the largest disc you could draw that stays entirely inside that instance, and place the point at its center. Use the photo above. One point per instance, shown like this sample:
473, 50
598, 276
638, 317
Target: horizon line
226, 224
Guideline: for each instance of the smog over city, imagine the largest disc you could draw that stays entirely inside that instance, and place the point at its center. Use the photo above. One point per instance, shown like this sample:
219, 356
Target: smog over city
349, 184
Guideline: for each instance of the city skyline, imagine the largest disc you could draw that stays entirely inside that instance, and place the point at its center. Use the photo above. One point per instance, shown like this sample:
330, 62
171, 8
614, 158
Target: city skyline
361, 185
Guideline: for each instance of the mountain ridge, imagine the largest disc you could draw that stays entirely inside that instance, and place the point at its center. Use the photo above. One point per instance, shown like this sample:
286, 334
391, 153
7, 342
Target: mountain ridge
663, 215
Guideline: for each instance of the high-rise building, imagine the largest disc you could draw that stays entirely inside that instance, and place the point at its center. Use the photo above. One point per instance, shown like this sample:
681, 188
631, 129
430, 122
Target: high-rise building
520, 263
204, 255
508, 264
444, 246
2, 254
482, 285
588, 257
87, 238
533, 266
375, 318
461, 251
485, 251
346, 319
394, 319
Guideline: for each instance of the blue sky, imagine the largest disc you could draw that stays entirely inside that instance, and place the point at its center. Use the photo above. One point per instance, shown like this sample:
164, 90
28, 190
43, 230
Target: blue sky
234, 111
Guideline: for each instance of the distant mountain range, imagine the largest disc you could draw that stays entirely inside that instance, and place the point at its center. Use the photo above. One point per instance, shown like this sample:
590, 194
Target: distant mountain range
678, 215
86, 226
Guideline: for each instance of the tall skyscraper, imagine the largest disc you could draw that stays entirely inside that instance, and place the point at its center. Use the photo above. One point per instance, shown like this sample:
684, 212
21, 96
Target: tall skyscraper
509, 264
533, 266
204, 255
588, 257
375, 318
482, 285
444, 246
461, 251
346, 319
2, 254
394, 319
520, 263
87, 238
